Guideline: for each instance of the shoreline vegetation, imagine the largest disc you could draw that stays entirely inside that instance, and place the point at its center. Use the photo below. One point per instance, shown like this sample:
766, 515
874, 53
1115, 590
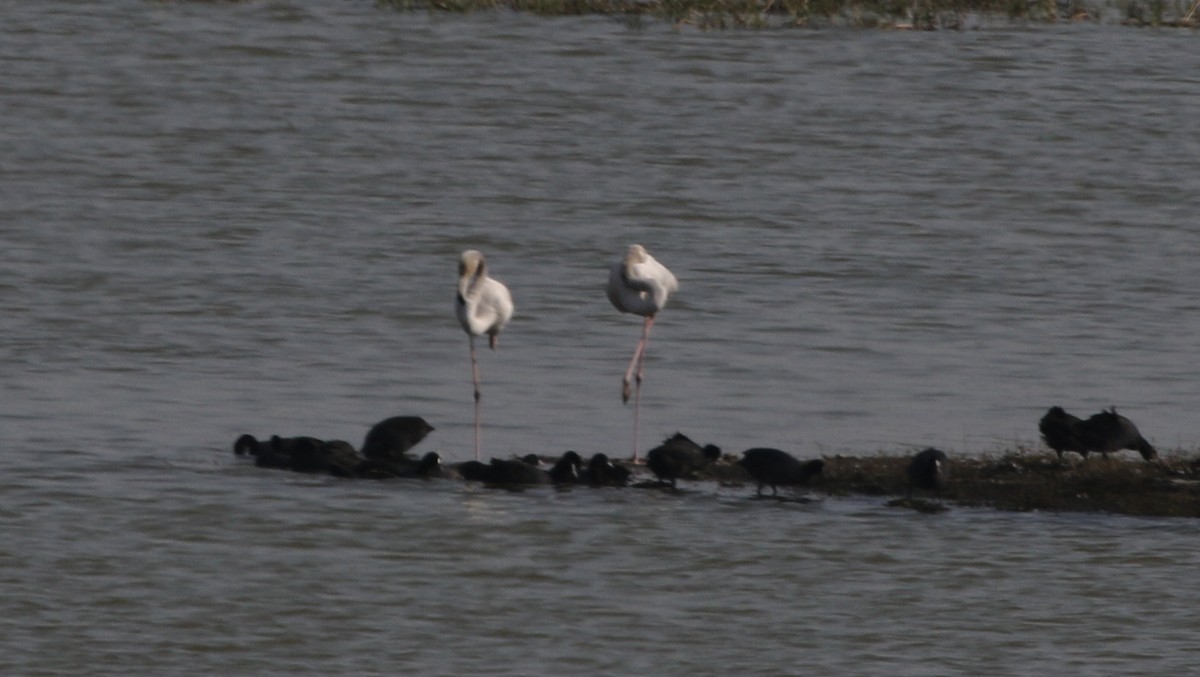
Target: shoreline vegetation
1020, 480
882, 14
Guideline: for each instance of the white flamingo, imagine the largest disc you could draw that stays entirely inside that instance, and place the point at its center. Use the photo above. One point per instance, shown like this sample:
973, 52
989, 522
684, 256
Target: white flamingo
483, 306
640, 285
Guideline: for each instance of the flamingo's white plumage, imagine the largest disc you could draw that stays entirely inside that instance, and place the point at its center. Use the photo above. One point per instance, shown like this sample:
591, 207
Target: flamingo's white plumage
640, 285
484, 306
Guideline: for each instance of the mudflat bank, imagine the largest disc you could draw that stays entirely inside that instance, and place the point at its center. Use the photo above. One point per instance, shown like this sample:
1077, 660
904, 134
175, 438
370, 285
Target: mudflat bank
1021, 480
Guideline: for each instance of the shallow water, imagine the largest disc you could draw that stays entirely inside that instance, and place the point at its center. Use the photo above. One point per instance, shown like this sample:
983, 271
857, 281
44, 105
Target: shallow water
221, 219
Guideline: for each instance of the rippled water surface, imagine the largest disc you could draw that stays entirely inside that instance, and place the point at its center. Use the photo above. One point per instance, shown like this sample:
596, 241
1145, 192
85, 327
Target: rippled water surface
229, 218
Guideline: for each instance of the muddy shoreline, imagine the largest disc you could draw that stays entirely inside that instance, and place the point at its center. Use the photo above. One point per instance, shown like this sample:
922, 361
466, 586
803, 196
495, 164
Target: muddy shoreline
1020, 480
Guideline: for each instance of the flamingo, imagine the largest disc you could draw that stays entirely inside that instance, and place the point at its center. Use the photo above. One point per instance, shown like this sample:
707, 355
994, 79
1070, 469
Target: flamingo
483, 306
639, 285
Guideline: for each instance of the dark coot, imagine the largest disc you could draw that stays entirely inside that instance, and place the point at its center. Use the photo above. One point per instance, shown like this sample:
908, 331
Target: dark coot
776, 468
278, 452
679, 457
1058, 430
601, 472
302, 454
247, 445
1109, 431
928, 470
473, 471
335, 457
282, 452
520, 472
429, 466
566, 468
512, 472
391, 438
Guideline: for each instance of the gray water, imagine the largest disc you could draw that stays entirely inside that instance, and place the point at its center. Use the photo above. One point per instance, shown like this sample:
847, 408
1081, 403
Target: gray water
230, 218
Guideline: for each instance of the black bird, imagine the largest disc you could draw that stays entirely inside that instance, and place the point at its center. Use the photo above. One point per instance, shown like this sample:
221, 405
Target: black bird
391, 438
341, 458
602, 473
511, 472
335, 457
518, 472
1058, 430
1109, 431
302, 454
263, 453
679, 457
248, 445
384, 468
429, 466
305, 453
566, 469
279, 452
928, 470
384, 451
778, 468
473, 471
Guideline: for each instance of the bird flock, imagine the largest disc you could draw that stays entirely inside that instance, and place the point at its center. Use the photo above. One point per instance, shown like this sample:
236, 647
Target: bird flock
385, 454
640, 285
1102, 433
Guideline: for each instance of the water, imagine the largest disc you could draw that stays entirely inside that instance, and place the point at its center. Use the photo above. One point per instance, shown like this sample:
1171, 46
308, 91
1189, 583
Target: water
221, 219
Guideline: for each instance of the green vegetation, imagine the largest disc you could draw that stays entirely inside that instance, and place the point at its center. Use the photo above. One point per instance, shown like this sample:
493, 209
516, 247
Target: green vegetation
919, 14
